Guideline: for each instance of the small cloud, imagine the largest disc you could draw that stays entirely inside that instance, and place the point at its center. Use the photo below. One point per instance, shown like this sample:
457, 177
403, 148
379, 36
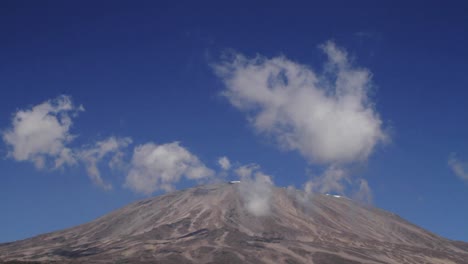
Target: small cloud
256, 189
246, 171
224, 163
364, 34
364, 193
41, 134
333, 180
459, 168
91, 156
337, 180
158, 167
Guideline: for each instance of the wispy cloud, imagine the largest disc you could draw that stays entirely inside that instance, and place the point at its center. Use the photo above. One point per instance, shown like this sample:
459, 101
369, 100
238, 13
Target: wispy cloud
364, 192
92, 155
256, 189
459, 168
224, 163
158, 167
333, 180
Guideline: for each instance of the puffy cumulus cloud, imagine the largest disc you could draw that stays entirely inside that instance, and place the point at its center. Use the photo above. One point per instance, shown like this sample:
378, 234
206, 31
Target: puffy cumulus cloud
41, 133
459, 168
224, 163
92, 155
327, 117
256, 189
155, 167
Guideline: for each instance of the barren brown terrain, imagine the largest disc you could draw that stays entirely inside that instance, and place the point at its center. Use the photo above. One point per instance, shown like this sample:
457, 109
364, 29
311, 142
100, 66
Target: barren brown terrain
210, 224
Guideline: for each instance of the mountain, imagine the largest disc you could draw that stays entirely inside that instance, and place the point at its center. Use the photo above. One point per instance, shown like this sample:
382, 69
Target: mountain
214, 224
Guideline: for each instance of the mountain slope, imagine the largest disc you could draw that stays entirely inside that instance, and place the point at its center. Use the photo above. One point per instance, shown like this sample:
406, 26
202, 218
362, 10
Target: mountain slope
210, 224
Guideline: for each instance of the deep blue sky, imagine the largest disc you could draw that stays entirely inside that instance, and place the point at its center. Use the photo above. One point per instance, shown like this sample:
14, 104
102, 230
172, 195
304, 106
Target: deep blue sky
144, 70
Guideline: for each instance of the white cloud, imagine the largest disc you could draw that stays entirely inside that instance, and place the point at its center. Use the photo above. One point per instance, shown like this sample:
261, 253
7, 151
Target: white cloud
246, 171
256, 189
364, 193
458, 167
327, 117
91, 156
224, 163
333, 180
155, 167
336, 180
41, 133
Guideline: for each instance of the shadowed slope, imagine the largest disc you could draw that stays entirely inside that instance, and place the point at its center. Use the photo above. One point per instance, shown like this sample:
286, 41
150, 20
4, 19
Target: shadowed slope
210, 224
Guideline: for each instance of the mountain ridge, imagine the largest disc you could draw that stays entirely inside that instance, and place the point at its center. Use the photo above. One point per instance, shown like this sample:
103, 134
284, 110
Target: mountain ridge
213, 224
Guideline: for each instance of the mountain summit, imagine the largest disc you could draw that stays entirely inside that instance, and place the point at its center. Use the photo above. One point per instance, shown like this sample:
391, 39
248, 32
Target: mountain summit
221, 224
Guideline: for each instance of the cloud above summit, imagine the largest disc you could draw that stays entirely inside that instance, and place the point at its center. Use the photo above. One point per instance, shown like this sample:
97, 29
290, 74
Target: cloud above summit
256, 189
328, 117
158, 167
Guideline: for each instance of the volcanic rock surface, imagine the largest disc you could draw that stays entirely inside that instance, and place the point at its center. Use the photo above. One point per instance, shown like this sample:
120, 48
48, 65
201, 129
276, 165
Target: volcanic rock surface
211, 224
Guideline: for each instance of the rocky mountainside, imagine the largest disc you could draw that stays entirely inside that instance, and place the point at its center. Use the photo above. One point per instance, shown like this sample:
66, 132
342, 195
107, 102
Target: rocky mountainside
212, 224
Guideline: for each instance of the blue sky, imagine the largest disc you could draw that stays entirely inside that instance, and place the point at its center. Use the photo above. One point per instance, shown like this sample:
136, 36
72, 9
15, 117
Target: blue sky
106, 103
